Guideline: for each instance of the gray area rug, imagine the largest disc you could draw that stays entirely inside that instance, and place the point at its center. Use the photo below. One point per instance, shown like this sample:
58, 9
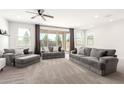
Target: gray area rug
57, 71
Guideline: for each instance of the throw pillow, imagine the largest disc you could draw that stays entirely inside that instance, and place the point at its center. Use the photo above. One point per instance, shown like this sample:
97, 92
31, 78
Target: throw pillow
46, 49
81, 51
59, 48
87, 51
50, 49
19, 51
74, 51
9, 51
110, 52
26, 51
97, 52
55, 49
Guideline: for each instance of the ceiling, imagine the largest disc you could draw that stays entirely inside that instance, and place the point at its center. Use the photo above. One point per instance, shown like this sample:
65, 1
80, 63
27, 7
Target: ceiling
76, 18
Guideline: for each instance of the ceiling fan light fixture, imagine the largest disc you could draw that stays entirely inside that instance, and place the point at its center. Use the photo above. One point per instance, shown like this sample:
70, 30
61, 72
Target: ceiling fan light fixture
40, 12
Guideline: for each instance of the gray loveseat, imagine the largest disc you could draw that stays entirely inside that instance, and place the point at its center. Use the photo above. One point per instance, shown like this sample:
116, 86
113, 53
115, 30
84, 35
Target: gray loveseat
100, 61
52, 53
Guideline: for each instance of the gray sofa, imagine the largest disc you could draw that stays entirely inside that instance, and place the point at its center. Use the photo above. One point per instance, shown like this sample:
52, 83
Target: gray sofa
52, 52
100, 61
20, 59
51, 55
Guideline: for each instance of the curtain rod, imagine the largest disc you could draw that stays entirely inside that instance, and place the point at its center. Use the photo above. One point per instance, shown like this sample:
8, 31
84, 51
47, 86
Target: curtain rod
55, 26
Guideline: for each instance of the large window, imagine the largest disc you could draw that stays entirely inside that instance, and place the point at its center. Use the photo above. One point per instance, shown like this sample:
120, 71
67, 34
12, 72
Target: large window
55, 39
43, 40
23, 37
79, 39
51, 39
60, 39
90, 39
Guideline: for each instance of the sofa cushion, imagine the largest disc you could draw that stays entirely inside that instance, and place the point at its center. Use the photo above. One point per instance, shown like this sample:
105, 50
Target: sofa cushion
76, 56
97, 52
84, 51
88, 59
9, 51
92, 62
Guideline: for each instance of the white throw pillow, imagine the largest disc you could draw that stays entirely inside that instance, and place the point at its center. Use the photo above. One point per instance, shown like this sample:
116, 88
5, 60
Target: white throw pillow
19, 51
55, 49
46, 48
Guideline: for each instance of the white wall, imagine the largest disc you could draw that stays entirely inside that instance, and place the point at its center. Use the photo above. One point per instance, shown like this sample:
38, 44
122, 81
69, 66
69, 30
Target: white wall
13, 27
4, 42
110, 35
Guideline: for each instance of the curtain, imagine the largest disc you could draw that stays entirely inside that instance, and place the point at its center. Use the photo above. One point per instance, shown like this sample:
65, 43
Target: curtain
71, 39
37, 39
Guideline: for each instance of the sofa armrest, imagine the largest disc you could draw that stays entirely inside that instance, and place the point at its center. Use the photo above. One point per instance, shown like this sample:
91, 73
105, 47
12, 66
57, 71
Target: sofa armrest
1, 56
9, 58
108, 59
109, 64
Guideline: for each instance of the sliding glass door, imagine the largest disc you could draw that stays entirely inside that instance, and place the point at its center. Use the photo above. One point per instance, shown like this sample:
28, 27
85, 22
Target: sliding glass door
43, 40
52, 40
55, 39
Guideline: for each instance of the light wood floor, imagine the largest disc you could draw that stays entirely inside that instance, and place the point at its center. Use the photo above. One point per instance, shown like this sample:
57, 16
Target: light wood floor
58, 71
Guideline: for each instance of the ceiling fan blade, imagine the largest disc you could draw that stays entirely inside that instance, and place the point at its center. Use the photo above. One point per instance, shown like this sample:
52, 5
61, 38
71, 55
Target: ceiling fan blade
43, 17
30, 12
34, 16
48, 16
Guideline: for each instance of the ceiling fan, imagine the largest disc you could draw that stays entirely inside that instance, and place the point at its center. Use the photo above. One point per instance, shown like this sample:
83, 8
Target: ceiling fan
40, 12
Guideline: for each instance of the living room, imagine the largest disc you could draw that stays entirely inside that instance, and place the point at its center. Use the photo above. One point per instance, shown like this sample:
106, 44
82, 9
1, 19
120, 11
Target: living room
57, 43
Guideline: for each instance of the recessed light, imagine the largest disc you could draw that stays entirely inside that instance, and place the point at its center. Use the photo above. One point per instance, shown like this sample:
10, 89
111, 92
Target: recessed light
110, 20
96, 16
